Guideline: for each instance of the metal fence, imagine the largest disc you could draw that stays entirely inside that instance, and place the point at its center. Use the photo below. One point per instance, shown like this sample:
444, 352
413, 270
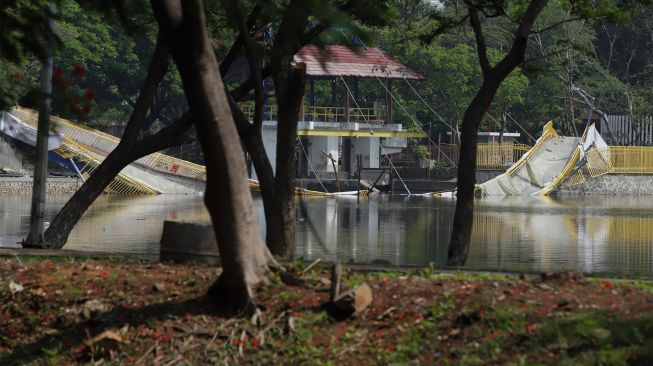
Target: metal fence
632, 159
323, 114
622, 130
488, 156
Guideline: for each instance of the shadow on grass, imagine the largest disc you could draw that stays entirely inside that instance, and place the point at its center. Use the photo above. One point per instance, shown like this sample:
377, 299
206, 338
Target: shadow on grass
72, 336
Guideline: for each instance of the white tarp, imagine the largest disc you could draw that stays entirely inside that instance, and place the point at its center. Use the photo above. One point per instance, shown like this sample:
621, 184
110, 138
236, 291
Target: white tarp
541, 169
544, 164
592, 137
13, 127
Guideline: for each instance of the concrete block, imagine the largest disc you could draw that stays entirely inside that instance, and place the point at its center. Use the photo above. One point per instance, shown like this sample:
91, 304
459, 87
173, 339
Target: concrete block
186, 242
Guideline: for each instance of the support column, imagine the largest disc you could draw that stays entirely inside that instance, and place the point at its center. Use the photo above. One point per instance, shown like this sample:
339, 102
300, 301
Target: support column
35, 236
388, 98
356, 91
346, 156
318, 144
301, 111
302, 163
368, 148
345, 101
311, 93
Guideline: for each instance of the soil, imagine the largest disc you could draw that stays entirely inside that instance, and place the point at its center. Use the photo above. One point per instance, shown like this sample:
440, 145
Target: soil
72, 311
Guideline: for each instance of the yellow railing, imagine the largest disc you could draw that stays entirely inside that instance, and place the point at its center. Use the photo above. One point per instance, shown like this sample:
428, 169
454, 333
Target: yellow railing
632, 159
105, 143
323, 114
489, 156
121, 184
498, 156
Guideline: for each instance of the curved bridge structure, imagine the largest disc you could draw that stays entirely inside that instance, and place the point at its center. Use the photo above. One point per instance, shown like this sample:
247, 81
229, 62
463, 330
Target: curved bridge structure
83, 149
553, 162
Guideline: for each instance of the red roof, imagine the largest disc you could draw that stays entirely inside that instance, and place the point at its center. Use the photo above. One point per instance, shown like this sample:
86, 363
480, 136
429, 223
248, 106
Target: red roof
337, 60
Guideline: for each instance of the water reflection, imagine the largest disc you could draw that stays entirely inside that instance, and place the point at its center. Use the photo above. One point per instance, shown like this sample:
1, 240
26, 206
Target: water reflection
112, 224
385, 230
591, 234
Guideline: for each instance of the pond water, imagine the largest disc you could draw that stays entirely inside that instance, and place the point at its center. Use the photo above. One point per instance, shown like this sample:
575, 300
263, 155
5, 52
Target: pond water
599, 234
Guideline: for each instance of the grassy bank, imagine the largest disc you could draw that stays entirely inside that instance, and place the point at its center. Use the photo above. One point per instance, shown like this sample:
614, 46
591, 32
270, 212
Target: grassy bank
110, 312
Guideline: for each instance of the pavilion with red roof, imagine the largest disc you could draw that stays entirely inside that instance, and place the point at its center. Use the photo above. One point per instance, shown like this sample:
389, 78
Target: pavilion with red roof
335, 61
345, 136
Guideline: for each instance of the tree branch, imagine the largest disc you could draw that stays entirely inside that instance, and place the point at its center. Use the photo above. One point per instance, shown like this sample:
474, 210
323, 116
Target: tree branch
481, 48
156, 72
231, 56
554, 25
517, 52
168, 136
254, 65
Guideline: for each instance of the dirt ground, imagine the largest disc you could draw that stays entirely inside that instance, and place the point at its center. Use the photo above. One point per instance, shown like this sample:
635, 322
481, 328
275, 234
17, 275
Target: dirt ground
71, 311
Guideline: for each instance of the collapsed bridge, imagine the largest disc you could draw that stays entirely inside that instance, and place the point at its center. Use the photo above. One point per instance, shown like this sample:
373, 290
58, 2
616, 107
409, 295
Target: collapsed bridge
82, 149
554, 162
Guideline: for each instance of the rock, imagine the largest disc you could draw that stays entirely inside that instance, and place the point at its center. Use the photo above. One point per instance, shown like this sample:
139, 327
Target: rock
15, 287
325, 281
104, 344
93, 307
351, 302
159, 287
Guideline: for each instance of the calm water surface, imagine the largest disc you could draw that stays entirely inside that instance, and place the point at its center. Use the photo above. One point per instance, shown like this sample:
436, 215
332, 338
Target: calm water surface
592, 234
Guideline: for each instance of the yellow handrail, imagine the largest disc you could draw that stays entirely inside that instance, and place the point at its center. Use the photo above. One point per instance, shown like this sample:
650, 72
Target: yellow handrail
631, 159
121, 184
323, 114
106, 143
493, 156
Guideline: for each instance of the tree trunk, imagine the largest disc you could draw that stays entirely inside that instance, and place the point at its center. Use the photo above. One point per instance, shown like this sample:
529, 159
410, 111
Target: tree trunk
244, 257
57, 233
124, 154
464, 216
493, 76
251, 137
289, 98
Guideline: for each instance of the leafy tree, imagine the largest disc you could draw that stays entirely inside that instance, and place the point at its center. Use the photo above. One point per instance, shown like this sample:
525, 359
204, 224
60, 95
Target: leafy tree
524, 15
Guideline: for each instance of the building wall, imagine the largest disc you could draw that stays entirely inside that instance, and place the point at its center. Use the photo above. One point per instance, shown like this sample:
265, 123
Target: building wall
318, 144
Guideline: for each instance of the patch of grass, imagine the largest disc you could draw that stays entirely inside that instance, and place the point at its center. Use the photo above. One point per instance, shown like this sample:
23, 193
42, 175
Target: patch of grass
642, 285
482, 276
598, 338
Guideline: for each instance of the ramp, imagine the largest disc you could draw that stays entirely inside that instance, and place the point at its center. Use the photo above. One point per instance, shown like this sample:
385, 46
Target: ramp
87, 148
553, 161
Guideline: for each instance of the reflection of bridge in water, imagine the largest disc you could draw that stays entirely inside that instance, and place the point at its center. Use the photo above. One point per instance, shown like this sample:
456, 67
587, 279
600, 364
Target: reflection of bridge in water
592, 234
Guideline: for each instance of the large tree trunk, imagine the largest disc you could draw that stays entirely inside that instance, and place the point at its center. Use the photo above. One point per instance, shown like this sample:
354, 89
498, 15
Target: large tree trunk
63, 223
493, 76
253, 141
464, 216
289, 84
228, 199
124, 154
289, 98
57, 234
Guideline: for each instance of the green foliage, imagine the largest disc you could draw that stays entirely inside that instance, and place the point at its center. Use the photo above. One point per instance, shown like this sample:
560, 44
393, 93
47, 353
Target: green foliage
421, 152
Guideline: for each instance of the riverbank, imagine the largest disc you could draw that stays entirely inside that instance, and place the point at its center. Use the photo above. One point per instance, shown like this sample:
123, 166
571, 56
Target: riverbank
66, 310
53, 185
